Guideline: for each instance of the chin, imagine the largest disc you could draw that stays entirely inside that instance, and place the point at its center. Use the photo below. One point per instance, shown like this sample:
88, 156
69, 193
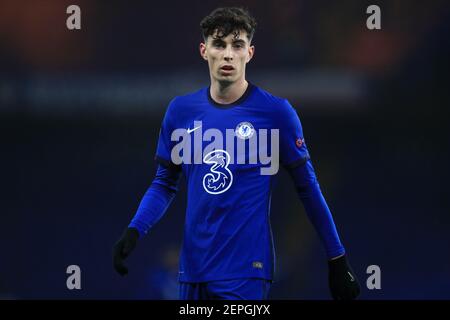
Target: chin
226, 79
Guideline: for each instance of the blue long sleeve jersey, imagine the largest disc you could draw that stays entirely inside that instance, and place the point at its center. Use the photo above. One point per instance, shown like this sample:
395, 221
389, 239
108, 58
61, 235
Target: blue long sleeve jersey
227, 233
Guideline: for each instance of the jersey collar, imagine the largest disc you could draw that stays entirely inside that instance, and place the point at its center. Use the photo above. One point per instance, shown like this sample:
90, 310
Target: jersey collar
235, 103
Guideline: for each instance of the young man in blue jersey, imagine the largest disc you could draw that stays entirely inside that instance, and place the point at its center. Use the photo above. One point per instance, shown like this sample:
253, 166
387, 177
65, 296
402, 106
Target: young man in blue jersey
227, 139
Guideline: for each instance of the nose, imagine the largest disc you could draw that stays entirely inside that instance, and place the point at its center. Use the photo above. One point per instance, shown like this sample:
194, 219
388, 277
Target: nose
228, 55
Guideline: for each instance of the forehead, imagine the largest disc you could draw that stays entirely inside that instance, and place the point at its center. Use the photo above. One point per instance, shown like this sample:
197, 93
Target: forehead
233, 36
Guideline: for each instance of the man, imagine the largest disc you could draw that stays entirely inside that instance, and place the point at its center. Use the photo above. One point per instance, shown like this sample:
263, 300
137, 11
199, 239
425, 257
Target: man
227, 139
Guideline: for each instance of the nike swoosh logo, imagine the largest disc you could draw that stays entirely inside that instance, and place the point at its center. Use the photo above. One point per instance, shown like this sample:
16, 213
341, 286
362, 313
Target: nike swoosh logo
192, 130
351, 277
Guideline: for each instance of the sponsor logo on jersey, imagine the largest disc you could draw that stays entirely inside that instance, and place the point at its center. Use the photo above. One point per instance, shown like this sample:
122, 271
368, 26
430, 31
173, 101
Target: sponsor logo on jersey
219, 178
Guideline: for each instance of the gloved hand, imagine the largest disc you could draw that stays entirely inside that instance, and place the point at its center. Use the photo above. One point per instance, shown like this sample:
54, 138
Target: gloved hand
342, 280
123, 248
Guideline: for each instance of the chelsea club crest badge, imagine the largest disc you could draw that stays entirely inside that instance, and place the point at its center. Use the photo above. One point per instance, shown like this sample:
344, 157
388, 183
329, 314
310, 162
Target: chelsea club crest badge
245, 130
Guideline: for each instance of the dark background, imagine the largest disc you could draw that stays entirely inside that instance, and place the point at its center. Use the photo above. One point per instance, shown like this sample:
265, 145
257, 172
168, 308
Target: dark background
79, 119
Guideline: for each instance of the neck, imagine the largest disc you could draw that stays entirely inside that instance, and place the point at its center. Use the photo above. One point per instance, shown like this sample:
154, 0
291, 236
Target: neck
228, 92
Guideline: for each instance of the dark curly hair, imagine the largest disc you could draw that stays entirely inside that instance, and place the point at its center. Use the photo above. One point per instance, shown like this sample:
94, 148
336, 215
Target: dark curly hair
228, 20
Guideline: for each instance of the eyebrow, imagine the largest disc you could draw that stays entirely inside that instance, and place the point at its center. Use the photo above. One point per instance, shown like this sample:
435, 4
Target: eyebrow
239, 41
220, 41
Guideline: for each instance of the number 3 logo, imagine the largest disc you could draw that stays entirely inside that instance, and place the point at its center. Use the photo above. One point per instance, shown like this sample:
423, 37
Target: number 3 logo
220, 178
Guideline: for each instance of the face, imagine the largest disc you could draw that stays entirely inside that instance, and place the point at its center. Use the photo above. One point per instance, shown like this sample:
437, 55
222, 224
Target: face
228, 56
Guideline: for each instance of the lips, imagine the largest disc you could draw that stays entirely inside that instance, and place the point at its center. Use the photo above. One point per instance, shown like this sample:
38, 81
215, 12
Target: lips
227, 68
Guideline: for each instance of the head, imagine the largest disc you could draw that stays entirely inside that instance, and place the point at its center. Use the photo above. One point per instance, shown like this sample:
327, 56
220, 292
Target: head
227, 37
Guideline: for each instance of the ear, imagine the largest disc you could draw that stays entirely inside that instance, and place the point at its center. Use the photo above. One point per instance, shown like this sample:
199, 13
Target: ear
251, 52
202, 49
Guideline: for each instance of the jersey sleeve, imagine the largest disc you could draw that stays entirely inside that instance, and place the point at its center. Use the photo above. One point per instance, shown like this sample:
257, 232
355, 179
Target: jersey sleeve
293, 150
156, 200
165, 144
316, 208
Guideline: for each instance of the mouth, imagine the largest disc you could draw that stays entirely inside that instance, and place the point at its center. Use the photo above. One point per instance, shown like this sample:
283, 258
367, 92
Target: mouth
227, 68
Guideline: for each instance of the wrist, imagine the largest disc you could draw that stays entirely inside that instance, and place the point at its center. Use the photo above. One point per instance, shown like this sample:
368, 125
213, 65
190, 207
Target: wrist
133, 233
338, 263
337, 257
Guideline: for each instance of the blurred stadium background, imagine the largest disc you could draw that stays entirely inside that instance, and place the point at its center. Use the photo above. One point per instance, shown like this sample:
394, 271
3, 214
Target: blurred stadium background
80, 113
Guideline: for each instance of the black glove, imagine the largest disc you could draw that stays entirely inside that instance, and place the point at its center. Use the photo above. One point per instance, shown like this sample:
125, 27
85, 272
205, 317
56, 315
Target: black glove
342, 280
123, 248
